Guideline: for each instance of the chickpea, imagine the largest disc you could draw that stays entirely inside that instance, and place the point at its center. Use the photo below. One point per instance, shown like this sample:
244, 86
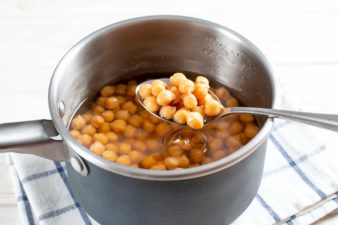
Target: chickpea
148, 126
218, 154
144, 114
131, 90
195, 120
231, 102
181, 116
145, 91
194, 165
156, 87
158, 167
222, 93
223, 125
186, 86
101, 101
130, 131
132, 82
107, 91
122, 114
165, 97
154, 119
121, 100
196, 139
222, 134
112, 103
148, 161
177, 95
111, 147
124, 160
112, 137
246, 118
183, 161
142, 135
110, 155
124, 148
130, 106
177, 78
201, 90
118, 125
236, 128
243, 138
174, 150
136, 156
108, 115
233, 141
171, 162
251, 131
189, 101
202, 80
87, 117
161, 128
152, 145
216, 143
85, 139
104, 128
139, 145
206, 160
100, 137
212, 108
121, 89
206, 99
75, 133
97, 148
167, 112
196, 155
78, 122
135, 120
98, 110
151, 104
233, 118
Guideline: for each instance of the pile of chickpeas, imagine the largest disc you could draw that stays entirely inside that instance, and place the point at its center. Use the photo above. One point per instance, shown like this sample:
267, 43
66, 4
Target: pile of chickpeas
117, 128
185, 102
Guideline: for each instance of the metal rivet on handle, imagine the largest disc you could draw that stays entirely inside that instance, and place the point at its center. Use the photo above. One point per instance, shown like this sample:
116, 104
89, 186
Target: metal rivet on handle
78, 165
61, 108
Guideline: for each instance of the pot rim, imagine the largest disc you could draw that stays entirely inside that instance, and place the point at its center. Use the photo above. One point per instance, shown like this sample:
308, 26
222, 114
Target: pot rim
146, 174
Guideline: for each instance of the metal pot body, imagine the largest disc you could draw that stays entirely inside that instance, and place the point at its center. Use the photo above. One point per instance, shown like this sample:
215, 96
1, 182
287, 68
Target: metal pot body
216, 199
214, 193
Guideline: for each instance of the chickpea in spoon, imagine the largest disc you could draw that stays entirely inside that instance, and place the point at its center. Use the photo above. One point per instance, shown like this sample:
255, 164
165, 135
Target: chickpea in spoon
180, 100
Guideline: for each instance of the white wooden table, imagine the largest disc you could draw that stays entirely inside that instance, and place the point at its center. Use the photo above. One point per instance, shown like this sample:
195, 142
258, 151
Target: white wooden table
299, 37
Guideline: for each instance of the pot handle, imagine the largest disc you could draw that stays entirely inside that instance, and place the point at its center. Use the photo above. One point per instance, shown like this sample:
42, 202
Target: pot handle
37, 137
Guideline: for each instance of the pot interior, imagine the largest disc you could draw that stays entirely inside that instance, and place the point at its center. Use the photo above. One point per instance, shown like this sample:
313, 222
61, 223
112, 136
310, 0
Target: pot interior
152, 47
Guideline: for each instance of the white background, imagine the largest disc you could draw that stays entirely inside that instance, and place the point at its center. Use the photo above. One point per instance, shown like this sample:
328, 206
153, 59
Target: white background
300, 38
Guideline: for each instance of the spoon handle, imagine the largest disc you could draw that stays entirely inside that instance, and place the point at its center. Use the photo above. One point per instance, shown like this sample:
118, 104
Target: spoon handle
328, 121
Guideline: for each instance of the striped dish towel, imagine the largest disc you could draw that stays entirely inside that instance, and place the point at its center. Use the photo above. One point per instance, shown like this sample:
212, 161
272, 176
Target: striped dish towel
299, 186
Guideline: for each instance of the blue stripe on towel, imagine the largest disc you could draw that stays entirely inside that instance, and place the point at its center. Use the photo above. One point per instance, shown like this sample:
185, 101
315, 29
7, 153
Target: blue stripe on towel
58, 212
39, 175
297, 161
294, 165
27, 205
64, 178
268, 208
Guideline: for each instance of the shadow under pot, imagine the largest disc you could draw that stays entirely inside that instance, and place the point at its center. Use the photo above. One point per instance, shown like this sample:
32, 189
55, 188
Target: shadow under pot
215, 193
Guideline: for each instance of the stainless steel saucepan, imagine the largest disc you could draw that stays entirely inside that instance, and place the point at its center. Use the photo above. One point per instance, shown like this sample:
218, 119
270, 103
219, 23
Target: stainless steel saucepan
215, 193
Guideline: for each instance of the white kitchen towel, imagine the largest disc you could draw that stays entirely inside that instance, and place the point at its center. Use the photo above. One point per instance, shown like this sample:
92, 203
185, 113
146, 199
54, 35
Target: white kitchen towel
299, 186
